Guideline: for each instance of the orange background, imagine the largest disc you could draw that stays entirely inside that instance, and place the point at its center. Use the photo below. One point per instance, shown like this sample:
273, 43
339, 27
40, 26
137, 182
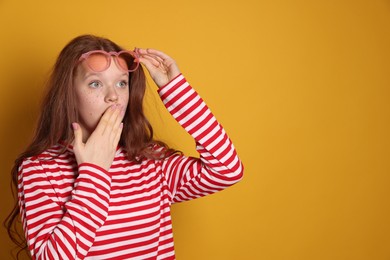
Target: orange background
302, 88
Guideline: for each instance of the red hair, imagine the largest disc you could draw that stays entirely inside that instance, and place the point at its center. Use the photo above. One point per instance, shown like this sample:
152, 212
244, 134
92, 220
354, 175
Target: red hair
59, 111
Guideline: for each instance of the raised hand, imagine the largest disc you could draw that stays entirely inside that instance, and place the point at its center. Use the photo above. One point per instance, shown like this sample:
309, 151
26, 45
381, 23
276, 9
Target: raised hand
101, 145
161, 67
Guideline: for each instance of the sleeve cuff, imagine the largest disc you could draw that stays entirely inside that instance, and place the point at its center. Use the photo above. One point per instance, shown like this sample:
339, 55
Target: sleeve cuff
175, 81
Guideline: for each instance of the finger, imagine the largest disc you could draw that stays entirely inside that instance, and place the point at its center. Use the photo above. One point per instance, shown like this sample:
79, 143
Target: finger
152, 60
159, 54
114, 121
105, 119
115, 134
150, 65
78, 135
156, 57
118, 134
141, 51
166, 61
155, 54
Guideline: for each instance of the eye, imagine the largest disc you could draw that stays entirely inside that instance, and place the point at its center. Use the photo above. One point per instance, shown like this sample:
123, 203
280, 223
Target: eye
122, 84
95, 84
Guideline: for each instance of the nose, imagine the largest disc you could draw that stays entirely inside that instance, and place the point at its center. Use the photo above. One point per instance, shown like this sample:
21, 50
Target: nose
111, 95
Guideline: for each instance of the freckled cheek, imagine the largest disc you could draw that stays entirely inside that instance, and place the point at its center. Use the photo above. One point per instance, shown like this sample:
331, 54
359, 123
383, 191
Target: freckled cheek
125, 100
91, 107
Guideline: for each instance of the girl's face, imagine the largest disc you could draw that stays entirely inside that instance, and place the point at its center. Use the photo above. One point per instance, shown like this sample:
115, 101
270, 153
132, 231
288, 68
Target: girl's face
97, 91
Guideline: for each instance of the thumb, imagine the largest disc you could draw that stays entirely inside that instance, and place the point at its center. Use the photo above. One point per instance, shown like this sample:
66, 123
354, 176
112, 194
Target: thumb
78, 135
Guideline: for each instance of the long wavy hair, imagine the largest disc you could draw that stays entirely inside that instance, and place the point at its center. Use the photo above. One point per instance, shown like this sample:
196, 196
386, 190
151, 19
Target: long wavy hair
59, 110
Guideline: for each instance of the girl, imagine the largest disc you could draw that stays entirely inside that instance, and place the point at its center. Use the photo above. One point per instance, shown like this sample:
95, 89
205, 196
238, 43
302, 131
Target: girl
94, 184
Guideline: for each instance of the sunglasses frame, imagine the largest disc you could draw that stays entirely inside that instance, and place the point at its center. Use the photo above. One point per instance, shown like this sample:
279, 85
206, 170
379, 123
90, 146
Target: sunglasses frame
108, 56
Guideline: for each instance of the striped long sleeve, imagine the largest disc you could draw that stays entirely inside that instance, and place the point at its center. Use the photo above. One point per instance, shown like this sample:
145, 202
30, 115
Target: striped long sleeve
57, 230
72, 211
218, 166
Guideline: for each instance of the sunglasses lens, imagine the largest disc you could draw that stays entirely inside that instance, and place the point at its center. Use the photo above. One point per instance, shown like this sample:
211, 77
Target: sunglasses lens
98, 62
126, 60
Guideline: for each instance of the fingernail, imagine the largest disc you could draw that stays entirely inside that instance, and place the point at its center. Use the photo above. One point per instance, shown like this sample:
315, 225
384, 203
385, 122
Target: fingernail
75, 126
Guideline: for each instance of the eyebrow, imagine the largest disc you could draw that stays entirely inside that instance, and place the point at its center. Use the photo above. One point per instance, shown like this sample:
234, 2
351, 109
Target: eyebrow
90, 74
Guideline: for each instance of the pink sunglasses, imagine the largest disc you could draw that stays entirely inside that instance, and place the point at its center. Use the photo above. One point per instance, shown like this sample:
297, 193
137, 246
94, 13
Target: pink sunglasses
100, 60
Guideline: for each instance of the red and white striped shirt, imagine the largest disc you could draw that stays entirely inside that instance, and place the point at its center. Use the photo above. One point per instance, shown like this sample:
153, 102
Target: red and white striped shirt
72, 211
